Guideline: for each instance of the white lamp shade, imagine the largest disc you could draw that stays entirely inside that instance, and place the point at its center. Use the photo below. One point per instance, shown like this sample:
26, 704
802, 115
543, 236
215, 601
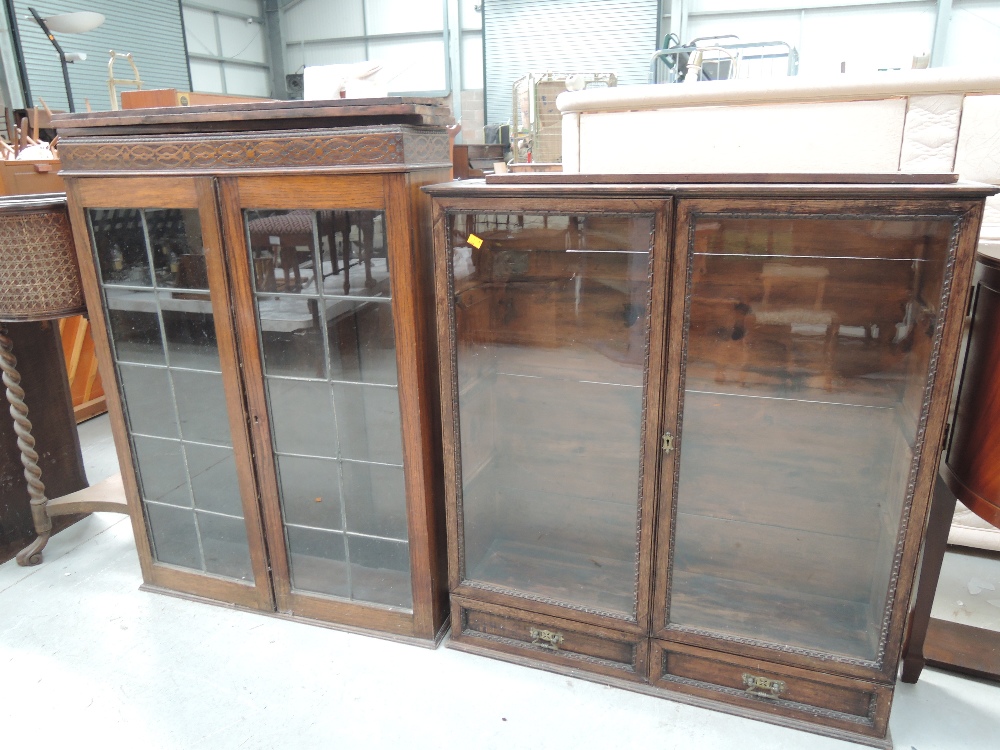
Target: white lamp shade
74, 23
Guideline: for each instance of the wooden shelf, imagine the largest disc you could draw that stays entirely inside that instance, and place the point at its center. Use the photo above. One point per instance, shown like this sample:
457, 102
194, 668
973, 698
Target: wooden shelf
575, 579
772, 615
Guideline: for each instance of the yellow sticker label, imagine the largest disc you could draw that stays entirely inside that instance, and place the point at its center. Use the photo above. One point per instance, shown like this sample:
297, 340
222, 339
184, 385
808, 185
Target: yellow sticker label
476, 242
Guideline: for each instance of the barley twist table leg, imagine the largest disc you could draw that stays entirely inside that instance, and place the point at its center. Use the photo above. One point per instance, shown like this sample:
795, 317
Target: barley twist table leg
32, 554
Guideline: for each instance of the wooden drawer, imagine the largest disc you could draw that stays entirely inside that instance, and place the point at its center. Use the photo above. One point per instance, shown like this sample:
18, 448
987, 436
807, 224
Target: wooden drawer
524, 635
778, 690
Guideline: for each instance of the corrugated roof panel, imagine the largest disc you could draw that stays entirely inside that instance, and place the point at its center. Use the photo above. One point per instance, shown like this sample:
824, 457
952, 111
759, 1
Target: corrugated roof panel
151, 30
565, 36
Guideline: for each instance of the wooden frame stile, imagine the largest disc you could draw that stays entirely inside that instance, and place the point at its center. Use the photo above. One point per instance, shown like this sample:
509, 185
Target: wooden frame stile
661, 211
932, 426
102, 344
361, 192
940, 403
407, 308
658, 374
444, 315
426, 524
675, 306
198, 194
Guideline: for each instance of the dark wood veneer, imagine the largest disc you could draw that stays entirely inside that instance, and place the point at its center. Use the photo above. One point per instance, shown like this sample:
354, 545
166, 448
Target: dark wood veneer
795, 359
360, 168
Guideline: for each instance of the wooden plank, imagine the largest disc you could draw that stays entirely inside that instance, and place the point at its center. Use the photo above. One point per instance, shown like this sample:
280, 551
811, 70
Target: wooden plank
248, 348
770, 614
472, 190
223, 313
136, 192
708, 178
250, 114
359, 191
89, 409
102, 341
79, 336
956, 647
92, 377
107, 496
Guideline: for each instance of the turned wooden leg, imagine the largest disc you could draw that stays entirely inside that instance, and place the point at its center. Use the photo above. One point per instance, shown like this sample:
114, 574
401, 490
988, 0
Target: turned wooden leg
32, 554
366, 230
938, 526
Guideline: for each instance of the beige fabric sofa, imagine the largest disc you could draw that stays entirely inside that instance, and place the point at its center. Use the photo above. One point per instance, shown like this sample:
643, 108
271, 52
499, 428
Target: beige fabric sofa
937, 120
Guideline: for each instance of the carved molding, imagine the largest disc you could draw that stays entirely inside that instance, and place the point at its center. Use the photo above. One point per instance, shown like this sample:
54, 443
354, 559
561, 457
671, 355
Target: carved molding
390, 146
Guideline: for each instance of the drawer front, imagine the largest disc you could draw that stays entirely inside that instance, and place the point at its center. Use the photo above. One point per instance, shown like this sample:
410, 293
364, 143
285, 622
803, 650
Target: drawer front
550, 639
817, 697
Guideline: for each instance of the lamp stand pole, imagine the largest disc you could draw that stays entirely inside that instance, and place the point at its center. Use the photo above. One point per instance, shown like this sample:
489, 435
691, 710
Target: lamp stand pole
62, 57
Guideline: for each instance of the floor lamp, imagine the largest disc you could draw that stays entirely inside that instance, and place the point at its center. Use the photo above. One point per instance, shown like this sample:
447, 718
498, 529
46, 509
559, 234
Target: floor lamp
68, 23
39, 280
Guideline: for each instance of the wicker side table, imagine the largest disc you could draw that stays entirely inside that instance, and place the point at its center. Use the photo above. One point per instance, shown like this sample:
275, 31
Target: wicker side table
39, 280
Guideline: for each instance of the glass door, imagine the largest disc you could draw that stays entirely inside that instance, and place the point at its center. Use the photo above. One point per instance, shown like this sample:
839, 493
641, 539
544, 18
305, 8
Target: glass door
164, 295
551, 314
323, 262
810, 338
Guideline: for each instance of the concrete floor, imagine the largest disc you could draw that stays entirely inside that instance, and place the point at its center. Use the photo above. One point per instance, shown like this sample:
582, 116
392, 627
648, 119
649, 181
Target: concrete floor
87, 658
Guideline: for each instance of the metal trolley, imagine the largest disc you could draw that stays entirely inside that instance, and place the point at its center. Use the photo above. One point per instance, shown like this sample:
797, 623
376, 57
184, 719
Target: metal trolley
719, 58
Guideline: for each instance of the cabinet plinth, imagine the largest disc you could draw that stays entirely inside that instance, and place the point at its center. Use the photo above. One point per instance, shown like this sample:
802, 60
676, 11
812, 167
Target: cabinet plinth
691, 430
261, 283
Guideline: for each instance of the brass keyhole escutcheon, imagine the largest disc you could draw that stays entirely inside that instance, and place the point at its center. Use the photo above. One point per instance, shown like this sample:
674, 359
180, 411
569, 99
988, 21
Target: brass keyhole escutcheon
668, 442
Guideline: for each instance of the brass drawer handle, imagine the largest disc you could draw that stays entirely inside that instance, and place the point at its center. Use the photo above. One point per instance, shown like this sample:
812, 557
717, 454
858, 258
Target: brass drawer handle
763, 686
545, 638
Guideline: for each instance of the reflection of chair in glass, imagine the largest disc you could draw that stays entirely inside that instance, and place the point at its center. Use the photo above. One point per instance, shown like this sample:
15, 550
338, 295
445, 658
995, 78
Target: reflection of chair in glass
263, 272
292, 230
791, 307
342, 223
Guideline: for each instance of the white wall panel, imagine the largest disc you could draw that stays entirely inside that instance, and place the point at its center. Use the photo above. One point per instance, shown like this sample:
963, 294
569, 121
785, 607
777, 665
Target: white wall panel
415, 65
206, 76
405, 16
471, 18
866, 39
248, 81
974, 36
199, 30
250, 8
323, 19
722, 6
472, 61
242, 40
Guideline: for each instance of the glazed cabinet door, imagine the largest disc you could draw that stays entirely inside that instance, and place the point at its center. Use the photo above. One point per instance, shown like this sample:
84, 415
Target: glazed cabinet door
324, 294
546, 325
805, 340
158, 292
